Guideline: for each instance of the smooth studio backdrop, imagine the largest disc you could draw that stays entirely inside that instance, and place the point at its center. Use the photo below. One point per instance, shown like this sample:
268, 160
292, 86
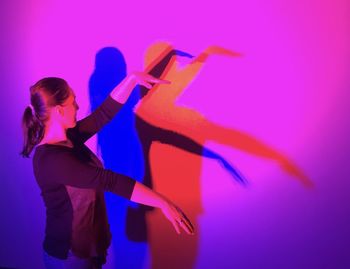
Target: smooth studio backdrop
290, 89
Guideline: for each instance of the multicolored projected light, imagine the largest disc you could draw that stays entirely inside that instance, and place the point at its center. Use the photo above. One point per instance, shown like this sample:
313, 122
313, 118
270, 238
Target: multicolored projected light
235, 140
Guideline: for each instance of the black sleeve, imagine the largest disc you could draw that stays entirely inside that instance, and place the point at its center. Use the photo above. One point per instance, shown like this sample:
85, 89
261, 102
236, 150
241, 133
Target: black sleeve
64, 167
93, 123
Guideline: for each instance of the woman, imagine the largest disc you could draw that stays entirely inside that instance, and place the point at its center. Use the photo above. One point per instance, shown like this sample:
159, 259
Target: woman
72, 179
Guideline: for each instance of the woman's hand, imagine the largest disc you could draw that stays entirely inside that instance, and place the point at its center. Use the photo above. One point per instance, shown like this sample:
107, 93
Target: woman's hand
147, 80
123, 90
178, 218
146, 196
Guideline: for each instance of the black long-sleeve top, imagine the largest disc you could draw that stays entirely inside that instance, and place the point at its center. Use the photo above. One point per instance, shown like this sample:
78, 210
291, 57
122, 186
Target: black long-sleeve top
72, 183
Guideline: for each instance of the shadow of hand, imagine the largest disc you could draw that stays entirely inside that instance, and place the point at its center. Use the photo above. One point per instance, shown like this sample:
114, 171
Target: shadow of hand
291, 169
233, 171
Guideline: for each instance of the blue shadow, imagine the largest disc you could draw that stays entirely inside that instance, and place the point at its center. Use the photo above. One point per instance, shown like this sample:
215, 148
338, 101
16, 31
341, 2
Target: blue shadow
124, 146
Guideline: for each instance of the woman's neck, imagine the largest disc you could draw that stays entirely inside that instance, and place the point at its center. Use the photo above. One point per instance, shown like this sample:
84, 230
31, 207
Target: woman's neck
54, 132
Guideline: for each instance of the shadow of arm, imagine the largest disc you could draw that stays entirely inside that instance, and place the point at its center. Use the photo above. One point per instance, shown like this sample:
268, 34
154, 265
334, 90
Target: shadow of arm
189, 145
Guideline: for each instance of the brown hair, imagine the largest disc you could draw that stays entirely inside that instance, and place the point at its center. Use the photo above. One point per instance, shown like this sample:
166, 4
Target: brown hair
46, 93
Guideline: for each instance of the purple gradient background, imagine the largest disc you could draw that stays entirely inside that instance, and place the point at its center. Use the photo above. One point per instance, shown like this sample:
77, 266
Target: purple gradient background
291, 90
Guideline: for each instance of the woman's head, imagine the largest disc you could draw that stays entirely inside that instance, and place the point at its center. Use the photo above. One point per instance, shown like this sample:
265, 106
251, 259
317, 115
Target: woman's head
51, 99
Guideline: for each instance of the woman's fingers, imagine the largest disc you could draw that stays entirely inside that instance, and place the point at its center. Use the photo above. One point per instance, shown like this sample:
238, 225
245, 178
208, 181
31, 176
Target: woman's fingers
188, 223
158, 81
152, 79
185, 220
177, 218
145, 84
186, 226
145, 80
176, 226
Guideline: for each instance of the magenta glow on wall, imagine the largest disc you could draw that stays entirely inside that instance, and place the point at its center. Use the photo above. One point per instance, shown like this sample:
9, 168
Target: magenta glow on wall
289, 90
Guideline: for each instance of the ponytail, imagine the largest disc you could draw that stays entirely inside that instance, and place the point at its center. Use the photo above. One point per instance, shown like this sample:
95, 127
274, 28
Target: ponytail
33, 131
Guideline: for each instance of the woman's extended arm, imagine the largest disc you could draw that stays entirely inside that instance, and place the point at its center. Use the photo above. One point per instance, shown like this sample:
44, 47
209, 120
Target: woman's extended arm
62, 165
93, 123
144, 195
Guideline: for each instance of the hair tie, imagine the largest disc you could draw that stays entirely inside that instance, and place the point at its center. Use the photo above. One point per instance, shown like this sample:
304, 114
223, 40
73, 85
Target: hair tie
31, 108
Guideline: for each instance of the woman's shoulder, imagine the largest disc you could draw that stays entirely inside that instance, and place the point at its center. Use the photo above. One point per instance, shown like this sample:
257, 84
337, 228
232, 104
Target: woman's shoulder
44, 152
49, 159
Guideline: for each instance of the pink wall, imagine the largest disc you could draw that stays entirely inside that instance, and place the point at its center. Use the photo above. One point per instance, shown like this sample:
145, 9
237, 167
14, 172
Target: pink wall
289, 90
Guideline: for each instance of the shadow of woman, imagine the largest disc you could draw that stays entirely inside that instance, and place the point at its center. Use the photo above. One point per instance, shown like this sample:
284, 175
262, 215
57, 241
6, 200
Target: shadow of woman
120, 151
158, 107
125, 149
164, 151
175, 172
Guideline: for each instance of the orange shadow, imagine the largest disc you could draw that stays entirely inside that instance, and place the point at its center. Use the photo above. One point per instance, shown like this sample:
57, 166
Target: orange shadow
175, 172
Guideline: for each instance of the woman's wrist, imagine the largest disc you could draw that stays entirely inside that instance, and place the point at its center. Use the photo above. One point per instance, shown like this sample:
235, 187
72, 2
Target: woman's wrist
160, 201
123, 90
144, 195
163, 202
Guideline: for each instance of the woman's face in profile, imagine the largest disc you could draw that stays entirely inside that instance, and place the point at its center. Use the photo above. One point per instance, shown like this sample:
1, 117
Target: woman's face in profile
70, 108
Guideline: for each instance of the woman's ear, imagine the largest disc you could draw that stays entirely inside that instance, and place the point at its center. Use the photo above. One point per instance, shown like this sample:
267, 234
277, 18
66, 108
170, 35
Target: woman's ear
59, 110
